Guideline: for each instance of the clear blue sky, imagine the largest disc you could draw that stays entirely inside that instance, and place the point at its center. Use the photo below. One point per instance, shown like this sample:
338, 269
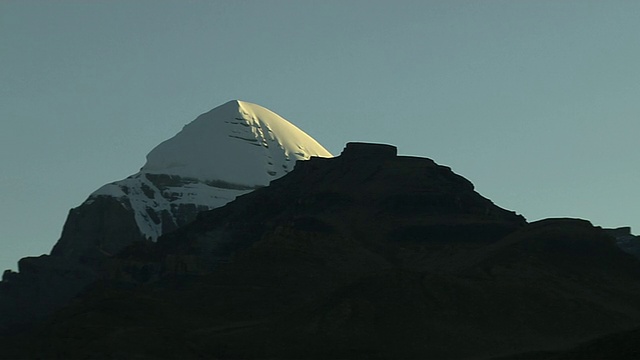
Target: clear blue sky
536, 102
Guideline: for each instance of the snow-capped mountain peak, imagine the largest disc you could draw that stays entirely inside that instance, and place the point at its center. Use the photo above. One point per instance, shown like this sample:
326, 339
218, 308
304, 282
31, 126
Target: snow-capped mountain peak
222, 154
239, 143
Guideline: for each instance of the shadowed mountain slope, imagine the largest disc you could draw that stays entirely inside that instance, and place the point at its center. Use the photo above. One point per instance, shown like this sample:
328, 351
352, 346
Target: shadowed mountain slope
366, 255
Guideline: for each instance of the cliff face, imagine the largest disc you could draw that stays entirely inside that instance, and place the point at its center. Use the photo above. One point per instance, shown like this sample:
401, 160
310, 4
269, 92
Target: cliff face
97, 229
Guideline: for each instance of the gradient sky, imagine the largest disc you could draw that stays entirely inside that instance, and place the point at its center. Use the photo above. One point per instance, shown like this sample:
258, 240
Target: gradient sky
536, 102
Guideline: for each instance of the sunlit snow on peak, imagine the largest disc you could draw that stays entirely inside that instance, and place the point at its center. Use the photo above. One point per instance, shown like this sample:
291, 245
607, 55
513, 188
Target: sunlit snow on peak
238, 142
224, 153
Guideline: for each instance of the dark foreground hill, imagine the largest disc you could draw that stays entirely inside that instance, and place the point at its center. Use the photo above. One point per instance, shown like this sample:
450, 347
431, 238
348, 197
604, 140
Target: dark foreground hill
367, 255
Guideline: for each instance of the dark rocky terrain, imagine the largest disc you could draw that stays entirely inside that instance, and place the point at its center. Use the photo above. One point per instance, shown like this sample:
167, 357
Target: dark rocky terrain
45, 283
367, 255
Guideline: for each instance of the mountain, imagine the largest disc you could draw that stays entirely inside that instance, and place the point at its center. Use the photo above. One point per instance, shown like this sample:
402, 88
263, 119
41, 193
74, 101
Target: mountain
226, 152
365, 255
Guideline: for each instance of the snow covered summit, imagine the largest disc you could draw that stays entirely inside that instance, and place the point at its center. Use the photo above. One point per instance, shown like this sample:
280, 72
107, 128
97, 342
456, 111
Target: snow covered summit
239, 143
222, 154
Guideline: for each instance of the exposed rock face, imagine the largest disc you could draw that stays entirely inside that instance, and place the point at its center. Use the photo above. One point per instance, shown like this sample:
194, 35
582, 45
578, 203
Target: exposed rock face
101, 227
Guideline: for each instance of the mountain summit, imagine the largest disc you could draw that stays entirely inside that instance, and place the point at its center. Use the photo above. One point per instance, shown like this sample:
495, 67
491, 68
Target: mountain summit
239, 143
226, 152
